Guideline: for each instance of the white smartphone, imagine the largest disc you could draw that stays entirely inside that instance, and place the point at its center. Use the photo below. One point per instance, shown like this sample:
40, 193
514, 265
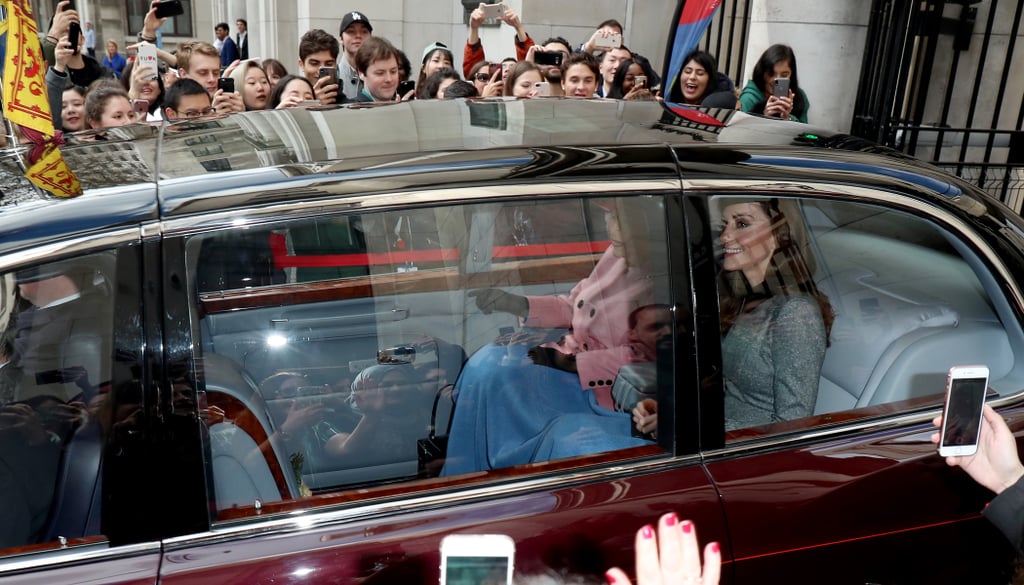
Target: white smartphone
612, 41
961, 419
543, 88
147, 58
494, 10
640, 81
473, 559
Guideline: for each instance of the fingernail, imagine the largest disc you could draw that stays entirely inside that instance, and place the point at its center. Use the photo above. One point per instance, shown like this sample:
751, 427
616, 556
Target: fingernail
609, 577
671, 519
715, 547
647, 531
687, 526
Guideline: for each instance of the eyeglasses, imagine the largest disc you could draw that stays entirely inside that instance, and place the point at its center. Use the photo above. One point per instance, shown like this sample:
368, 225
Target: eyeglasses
198, 113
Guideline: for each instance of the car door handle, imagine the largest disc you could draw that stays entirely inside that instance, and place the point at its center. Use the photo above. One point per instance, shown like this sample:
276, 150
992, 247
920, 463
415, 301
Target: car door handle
287, 324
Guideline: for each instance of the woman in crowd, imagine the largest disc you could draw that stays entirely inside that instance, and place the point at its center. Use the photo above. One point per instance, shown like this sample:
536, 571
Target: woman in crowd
697, 80
436, 56
291, 91
522, 80
580, 73
253, 84
275, 70
72, 111
487, 84
433, 86
145, 84
515, 401
113, 60
624, 82
108, 106
778, 61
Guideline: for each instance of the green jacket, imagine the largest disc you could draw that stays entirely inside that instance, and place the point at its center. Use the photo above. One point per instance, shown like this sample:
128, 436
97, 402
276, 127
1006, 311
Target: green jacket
752, 99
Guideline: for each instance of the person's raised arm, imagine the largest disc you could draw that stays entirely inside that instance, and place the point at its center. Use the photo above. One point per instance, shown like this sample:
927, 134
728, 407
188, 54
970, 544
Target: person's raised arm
151, 24
996, 465
474, 51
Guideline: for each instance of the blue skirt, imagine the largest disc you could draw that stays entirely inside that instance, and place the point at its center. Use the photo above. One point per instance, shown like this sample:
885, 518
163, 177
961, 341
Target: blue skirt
509, 411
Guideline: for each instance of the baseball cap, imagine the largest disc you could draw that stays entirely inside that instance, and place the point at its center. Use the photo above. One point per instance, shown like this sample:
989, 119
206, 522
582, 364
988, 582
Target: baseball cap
433, 47
353, 17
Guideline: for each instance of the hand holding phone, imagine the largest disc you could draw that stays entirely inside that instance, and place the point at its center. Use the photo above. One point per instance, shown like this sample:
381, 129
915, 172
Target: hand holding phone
780, 88
494, 10
169, 8
147, 58
477, 558
966, 387
327, 72
612, 41
227, 84
406, 86
141, 109
640, 81
74, 34
553, 58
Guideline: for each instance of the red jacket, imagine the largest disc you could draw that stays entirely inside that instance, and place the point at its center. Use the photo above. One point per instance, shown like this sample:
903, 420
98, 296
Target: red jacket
474, 54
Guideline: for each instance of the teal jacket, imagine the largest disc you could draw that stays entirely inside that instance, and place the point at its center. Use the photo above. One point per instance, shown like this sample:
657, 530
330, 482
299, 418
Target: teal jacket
752, 99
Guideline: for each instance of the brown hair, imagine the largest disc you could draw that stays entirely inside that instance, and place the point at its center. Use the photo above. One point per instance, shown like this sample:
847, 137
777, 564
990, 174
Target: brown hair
98, 97
790, 271
517, 71
317, 40
186, 49
375, 49
582, 59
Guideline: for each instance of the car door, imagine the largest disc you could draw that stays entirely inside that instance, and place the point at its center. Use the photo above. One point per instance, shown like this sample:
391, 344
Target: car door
404, 290
853, 491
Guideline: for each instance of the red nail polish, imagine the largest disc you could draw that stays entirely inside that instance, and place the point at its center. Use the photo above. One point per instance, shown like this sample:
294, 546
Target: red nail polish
609, 578
687, 526
715, 548
671, 520
647, 531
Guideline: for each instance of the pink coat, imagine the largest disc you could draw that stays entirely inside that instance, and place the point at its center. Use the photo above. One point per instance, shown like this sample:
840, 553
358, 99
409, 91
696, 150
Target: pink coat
596, 312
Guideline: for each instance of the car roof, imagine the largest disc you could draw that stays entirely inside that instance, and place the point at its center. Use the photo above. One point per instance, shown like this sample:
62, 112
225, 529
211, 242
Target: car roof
149, 172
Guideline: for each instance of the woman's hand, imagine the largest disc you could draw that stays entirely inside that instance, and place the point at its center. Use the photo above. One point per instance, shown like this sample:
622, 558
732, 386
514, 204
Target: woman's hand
671, 558
140, 77
62, 54
62, 19
151, 23
996, 464
779, 107
489, 300
645, 417
494, 87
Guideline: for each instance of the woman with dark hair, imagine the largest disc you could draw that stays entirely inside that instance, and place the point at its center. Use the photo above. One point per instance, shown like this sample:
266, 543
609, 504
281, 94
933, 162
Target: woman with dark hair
291, 90
140, 85
778, 61
624, 83
436, 56
775, 322
275, 70
433, 86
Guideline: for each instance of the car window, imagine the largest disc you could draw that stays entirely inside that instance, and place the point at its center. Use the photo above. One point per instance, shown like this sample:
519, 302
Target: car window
356, 350
833, 310
57, 322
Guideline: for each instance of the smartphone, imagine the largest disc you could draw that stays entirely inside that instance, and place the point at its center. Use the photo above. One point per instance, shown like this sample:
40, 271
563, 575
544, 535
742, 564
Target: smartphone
169, 8
553, 58
781, 88
543, 88
406, 86
141, 108
147, 58
494, 10
494, 68
227, 84
961, 418
640, 81
612, 41
471, 559
74, 33
326, 72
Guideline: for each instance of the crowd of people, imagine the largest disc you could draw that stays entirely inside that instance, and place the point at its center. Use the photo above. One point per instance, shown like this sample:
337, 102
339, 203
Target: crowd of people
356, 66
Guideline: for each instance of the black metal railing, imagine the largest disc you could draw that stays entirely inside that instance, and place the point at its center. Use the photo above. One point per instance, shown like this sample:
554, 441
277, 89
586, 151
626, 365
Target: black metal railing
726, 37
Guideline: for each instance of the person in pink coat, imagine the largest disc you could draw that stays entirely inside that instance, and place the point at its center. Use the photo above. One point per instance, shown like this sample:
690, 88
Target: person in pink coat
519, 404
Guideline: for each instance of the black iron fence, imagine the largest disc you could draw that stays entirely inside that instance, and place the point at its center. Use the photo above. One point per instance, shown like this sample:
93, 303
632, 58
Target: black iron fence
938, 83
726, 38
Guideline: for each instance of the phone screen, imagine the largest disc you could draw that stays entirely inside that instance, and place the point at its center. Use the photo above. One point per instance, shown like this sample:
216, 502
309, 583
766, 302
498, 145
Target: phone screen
476, 570
962, 420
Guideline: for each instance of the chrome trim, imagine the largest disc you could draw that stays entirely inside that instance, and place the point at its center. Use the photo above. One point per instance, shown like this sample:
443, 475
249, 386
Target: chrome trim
63, 557
321, 206
311, 519
67, 247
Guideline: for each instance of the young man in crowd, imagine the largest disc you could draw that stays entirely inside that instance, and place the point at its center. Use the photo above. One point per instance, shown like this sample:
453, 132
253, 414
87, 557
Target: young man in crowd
242, 38
198, 60
186, 99
377, 64
609, 65
228, 50
355, 30
318, 50
553, 73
